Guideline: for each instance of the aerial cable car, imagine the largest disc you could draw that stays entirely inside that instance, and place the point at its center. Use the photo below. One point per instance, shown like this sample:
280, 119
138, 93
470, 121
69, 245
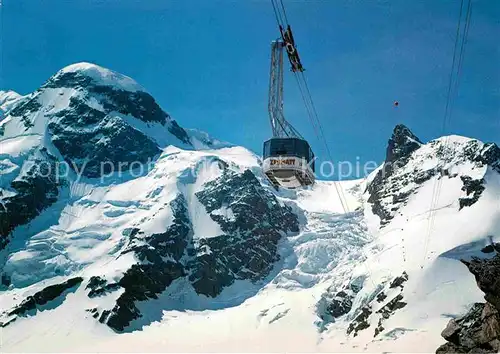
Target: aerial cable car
288, 158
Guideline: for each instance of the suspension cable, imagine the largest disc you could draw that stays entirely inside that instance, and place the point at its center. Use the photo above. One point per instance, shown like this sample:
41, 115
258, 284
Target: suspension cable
284, 12
309, 103
277, 13
321, 137
452, 91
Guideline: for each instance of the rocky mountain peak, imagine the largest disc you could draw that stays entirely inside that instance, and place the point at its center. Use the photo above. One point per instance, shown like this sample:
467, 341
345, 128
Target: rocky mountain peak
94, 117
84, 73
410, 163
402, 143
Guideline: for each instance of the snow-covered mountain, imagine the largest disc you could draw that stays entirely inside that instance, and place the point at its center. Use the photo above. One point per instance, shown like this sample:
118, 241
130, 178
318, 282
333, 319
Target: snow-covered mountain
122, 231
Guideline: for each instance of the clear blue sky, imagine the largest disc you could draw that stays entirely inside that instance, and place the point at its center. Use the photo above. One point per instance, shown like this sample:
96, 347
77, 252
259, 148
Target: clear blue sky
207, 63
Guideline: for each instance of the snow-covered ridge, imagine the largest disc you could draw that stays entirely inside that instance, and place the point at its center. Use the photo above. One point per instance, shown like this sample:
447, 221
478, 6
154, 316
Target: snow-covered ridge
103, 76
7, 100
9, 95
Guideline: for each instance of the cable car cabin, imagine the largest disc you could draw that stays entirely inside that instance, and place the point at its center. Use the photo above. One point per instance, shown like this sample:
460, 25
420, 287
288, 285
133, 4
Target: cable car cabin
288, 162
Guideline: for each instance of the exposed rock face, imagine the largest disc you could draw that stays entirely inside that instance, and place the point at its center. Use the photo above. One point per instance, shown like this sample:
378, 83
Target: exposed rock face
96, 130
389, 182
388, 309
402, 143
247, 250
24, 108
159, 256
41, 298
399, 281
376, 305
138, 104
341, 302
33, 190
489, 155
99, 286
340, 305
96, 143
478, 331
473, 188
409, 163
101, 140
487, 274
361, 321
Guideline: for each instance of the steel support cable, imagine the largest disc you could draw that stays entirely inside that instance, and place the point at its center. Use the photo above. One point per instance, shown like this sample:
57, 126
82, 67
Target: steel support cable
316, 117
338, 188
277, 14
308, 108
311, 110
456, 86
452, 89
284, 12
457, 80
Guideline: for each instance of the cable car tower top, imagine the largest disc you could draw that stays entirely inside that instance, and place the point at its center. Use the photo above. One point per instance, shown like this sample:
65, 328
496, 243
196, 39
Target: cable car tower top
280, 126
288, 159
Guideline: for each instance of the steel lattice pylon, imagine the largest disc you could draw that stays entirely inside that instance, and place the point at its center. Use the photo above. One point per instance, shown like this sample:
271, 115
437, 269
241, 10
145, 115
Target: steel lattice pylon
280, 126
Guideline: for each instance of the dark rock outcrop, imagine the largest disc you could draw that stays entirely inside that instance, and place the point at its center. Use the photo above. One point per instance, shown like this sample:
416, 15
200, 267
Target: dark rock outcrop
399, 281
387, 310
478, 331
334, 305
248, 248
95, 132
23, 109
393, 305
99, 141
159, 255
473, 188
487, 274
489, 155
138, 104
96, 143
32, 192
402, 144
493, 247
361, 321
99, 286
388, 183
42, 297
340, 305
